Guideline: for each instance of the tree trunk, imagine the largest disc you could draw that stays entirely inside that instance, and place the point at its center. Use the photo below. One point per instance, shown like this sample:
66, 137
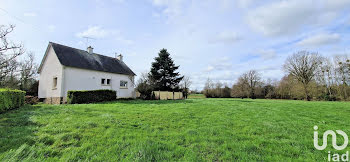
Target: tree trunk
307, 97
252, 95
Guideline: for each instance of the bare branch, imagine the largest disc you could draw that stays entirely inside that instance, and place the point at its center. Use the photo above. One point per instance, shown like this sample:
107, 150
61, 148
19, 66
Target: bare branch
303, 66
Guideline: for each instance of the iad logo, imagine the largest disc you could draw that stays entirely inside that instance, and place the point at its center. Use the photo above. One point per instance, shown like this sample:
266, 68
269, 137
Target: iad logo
334, 139
332, 156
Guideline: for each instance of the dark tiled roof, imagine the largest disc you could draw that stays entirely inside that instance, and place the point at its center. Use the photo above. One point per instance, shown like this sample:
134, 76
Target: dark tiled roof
73, 57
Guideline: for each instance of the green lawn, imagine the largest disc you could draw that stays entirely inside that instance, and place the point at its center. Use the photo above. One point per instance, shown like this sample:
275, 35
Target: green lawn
196, 96
190, 130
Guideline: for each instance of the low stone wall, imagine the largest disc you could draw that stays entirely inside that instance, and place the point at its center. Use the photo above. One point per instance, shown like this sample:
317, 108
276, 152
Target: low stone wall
166, 95
55, 100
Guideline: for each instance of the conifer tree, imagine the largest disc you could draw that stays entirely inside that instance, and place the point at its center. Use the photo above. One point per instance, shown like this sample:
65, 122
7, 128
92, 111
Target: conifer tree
163, 75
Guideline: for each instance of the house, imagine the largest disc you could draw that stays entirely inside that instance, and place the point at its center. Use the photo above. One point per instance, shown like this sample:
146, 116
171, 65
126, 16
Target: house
65, 68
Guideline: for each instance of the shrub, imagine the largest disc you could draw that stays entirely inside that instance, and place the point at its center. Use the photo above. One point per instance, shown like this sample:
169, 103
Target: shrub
32, 100
10, 99
78, 97
218, 92
145, 90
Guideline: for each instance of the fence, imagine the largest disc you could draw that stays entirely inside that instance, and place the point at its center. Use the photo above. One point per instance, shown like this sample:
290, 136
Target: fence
166, 95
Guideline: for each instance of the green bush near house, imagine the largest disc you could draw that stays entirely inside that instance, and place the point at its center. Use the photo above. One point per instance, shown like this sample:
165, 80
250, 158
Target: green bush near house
10, 99
92, 96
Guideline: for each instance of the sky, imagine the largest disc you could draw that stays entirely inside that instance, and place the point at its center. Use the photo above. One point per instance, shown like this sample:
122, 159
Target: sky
216, 39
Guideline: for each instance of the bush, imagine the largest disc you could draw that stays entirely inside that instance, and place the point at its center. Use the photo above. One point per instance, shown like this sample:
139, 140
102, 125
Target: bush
218, 92
145, 90
78, 97
32, 100
10, 99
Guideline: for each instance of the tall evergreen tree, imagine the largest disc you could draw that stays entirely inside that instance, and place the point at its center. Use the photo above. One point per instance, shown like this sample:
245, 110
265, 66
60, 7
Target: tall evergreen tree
163, 76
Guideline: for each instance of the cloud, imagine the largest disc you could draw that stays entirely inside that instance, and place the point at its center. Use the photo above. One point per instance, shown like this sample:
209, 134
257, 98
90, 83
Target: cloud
94, 32
290, 16
123, 40
244, 3
319, 40
52, 28
268, 68
98, 32
155, 14
223, 63
337, 4
29, 14
160, 2
226, 37
118, 1
170, 8
80, 43
267, 54
104, 3
210, 68
282, 17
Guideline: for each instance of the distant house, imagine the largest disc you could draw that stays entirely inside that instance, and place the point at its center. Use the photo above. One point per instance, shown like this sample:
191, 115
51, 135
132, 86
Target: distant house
65, 68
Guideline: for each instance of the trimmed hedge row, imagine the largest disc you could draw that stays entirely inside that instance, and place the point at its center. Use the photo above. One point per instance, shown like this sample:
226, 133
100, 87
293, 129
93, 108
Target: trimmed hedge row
10, 99
78, 97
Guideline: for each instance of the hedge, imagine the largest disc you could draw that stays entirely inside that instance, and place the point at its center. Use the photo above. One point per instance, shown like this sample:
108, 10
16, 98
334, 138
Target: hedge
78, 97
10, 99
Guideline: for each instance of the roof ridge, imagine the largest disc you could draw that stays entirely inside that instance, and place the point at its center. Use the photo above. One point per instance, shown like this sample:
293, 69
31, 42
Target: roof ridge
86, 62
84, 50
67, 46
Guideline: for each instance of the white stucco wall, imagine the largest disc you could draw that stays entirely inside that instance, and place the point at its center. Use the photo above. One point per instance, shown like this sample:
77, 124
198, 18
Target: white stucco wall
51, 68
82, 79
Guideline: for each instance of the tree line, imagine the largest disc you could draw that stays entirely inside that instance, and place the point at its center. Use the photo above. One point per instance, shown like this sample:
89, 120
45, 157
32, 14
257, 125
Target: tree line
309, 76
17, 67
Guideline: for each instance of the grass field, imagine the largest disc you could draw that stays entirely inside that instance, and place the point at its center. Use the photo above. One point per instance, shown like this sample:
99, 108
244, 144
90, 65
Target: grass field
195, 96
188, 130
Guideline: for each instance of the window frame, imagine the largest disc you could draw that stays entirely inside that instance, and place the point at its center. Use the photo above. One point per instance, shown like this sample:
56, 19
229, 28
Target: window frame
54, 82
106, 82
103, 81
126, 84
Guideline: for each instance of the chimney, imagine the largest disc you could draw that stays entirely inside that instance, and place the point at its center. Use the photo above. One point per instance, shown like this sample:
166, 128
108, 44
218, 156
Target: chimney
120, 57
90, 50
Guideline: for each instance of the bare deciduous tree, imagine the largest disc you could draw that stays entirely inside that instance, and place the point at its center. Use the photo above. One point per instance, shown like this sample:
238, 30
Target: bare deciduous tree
185, 84
325, 77
284, 87
208, 84
253, 78
9, 51
246, 85
342, 67
303, 66
144, 86
8, 75
240, 88
28, 69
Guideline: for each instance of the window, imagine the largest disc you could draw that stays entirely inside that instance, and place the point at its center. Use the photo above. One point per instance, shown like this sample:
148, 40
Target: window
105, 81
123, 84
54, 83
